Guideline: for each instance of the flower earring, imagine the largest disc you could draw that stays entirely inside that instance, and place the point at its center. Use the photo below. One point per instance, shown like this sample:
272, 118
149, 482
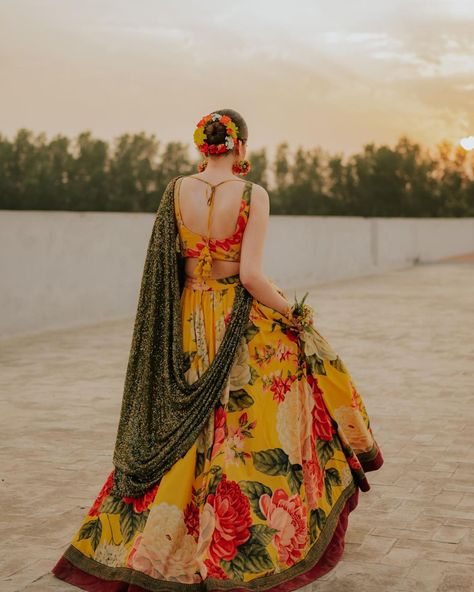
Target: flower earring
241, 167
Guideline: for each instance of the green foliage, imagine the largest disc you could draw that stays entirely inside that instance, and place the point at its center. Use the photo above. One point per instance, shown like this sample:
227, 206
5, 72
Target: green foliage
239, 400
252, 556
331, 477
258, 172
130, 174
91, 530
131, 522
254, 491
273, 461
295, 478
324, 450
317, 520
87, 174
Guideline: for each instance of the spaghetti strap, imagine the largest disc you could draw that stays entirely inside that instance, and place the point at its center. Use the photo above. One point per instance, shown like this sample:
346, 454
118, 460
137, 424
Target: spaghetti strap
213, 189
204, 265
215, 184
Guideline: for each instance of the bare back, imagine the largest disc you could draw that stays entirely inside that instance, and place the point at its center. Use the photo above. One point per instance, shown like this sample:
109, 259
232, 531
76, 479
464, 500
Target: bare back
193, 206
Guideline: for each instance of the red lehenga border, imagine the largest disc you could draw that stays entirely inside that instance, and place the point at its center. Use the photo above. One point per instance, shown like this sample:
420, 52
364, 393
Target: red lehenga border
370, 461
87, 574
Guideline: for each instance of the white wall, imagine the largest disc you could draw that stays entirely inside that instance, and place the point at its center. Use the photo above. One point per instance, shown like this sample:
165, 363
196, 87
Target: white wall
61, 269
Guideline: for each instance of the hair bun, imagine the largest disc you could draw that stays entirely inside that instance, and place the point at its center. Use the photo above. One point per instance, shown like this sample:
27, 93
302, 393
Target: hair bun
219, 132
215, 132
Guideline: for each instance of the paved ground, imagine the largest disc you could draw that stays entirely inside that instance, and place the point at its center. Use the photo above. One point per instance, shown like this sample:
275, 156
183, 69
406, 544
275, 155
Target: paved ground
407, 338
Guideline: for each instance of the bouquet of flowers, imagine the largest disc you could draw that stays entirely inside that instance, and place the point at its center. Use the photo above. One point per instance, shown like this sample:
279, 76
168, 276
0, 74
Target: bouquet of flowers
301, 316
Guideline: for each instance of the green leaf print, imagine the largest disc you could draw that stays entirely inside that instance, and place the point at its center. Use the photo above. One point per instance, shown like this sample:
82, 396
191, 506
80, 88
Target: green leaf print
254, 490
336, 441
239, 400
333, 475
251, 557
262, 534
324, 450
254, 375
216, 476
233, 569
295, 478
247, 434
199, 464
339, 365
273, 461
112, 505
315, 365
317, 519
91, 530
131, 522
257, 558
250, 332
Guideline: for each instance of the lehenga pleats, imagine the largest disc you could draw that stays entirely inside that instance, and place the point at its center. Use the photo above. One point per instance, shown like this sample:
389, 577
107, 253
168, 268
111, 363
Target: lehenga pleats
261, 500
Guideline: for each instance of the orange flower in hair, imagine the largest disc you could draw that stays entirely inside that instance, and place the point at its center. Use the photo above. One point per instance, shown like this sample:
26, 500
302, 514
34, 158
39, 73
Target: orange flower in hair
230, 139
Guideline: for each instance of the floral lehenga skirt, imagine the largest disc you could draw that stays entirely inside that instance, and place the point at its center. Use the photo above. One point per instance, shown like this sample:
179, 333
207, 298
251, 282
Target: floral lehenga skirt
261, 500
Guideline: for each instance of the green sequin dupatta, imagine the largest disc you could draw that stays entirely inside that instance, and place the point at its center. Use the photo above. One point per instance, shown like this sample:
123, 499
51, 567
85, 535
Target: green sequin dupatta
162, 415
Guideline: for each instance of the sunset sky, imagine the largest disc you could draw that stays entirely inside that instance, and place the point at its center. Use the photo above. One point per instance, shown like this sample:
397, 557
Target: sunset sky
336, 74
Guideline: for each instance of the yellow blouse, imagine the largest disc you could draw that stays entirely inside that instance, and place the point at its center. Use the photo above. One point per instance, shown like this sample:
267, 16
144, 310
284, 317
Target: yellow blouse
205, 247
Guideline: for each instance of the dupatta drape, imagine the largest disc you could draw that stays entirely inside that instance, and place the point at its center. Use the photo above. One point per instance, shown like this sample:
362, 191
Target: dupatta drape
162, 415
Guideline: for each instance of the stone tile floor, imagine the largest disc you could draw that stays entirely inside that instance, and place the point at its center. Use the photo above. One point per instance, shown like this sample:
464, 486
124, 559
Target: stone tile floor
407, 337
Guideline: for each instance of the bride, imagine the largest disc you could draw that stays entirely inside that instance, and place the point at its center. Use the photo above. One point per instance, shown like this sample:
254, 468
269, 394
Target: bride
243, 441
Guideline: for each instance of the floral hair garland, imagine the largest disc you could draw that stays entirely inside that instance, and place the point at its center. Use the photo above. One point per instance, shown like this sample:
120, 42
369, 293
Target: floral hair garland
230, 139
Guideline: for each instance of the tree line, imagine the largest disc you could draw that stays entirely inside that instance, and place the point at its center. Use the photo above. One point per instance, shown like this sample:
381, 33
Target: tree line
130, 173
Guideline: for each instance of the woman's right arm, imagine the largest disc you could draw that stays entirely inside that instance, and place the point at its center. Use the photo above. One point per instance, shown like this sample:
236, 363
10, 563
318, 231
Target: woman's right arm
251, 256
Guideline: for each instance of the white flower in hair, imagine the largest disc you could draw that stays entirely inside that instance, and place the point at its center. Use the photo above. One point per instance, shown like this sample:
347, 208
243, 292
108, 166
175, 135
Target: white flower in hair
229, 142
216, 116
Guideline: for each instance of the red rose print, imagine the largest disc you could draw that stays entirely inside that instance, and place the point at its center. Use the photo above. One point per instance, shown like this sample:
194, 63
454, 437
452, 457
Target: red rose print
191, 519
313, 479
142, 503
214, 571
220, 429
322, 424
233, 520
104, 492
288, 516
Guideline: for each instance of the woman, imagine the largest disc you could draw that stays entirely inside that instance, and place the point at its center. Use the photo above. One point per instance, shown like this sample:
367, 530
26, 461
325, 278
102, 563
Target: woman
243, 442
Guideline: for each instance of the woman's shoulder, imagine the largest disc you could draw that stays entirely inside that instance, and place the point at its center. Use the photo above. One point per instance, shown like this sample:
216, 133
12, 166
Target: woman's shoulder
260, 195
171, 182
259, 190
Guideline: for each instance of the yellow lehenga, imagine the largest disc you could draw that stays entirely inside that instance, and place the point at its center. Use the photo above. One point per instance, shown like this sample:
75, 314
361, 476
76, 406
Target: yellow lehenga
261, 500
